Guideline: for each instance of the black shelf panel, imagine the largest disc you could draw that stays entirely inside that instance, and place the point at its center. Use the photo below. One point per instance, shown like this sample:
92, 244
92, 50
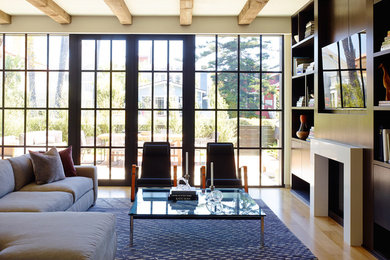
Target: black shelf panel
308, 41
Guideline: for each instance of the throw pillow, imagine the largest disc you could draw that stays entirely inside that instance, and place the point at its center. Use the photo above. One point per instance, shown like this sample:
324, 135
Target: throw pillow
47, 167
67, 162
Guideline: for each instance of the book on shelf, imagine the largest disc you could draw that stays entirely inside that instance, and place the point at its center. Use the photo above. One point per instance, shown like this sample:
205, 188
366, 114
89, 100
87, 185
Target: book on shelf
383, 103
384, 145
309, 29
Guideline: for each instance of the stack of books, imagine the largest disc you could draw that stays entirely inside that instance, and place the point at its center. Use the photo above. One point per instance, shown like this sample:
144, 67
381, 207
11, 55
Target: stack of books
386, 42
309, 29
311, 134
301, 68
182, 195
301, 60
384, 103
310, 68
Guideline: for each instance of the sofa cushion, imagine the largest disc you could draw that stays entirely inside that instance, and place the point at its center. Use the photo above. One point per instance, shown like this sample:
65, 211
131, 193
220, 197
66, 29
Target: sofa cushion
58, 235
7, 181
21, 201
67, 162
77, 186
47, 166
23, 170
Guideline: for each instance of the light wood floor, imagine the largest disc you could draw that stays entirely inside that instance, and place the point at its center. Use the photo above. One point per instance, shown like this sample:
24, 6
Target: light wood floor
322, 235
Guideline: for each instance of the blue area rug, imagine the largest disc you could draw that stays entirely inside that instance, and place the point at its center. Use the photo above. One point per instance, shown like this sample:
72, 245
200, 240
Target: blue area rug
202, 239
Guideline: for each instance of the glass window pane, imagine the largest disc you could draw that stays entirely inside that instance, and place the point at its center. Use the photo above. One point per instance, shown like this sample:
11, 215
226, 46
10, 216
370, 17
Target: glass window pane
177, 159
227, 126
118, 55
144, 90
87, 89
271, 129
103, 128
58, 89
204, 128
118, 164
87, 127
249, 129
204, 90
271, 87
145, 55
87, 156
251, 159
102, 163
118, 89
250, 53
88, 54
249, 90
205, 53
227, 53
272, 53
59, 52
200, 160
58, 125
271, 168
144, 127
13, 152
1, 51
139, 161
160, 126
103, 54
160, 90
118, 124
1, 89
227, 91
37, 52
175, 55
36, 89
14, 89
103, 89
175, 90
175, 128
1, 126
160, 55
13, 127
36, 128
14, 51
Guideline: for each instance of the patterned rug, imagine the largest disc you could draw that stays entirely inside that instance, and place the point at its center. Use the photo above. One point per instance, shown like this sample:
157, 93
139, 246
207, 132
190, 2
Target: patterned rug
202, 239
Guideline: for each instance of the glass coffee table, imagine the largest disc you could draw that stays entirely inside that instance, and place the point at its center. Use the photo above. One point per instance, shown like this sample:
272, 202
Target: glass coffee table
153, 203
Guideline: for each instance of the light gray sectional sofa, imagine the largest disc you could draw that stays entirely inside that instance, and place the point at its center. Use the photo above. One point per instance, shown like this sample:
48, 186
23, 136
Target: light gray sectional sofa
33, 224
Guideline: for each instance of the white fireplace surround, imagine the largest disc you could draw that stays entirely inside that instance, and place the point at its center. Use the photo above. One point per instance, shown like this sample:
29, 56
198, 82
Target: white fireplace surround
321, 150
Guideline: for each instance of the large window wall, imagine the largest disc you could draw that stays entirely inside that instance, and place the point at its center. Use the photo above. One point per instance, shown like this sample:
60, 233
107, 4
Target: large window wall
238, 99
33, 92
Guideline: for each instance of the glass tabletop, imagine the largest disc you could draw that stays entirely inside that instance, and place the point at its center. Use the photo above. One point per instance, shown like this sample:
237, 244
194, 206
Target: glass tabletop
154, 203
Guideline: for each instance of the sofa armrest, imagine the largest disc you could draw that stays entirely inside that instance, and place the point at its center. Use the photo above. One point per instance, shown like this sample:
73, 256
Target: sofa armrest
89, 172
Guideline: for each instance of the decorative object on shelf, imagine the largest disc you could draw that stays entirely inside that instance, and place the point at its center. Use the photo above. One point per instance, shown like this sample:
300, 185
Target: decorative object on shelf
386, 42
296, 38
303, 131
301, 102
309, 29
311, 134
386, 81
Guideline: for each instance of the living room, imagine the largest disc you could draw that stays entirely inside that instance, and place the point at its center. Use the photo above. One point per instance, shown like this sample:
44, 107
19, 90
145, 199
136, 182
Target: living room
298, 88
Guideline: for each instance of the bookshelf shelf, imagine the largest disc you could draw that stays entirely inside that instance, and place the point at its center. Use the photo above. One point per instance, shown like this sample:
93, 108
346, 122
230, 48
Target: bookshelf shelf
303, 75
383, 164
381, 108
308, 41
381, 53
302, 108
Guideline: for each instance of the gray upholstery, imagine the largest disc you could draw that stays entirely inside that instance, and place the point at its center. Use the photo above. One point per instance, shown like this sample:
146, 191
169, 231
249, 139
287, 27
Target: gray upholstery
58, 235
7, 181
47, 166
84, 203
36, 201
90, 172
77, 186
23, 170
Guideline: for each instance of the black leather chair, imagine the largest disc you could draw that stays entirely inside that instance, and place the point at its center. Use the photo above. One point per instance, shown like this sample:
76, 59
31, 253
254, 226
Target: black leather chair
156, 167
225, 176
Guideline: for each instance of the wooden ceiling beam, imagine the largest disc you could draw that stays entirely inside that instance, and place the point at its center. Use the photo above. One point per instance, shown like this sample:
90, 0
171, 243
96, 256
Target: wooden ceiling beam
4, 18
51, 9
250, 10
120, 10
186, 12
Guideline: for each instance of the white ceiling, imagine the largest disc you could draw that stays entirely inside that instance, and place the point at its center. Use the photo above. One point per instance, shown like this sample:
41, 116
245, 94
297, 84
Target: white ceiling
156, 7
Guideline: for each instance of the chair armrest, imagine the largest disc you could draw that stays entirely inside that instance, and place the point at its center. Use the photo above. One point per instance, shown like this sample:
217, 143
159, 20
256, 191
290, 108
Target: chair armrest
89, 171
245, 168
203, 177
